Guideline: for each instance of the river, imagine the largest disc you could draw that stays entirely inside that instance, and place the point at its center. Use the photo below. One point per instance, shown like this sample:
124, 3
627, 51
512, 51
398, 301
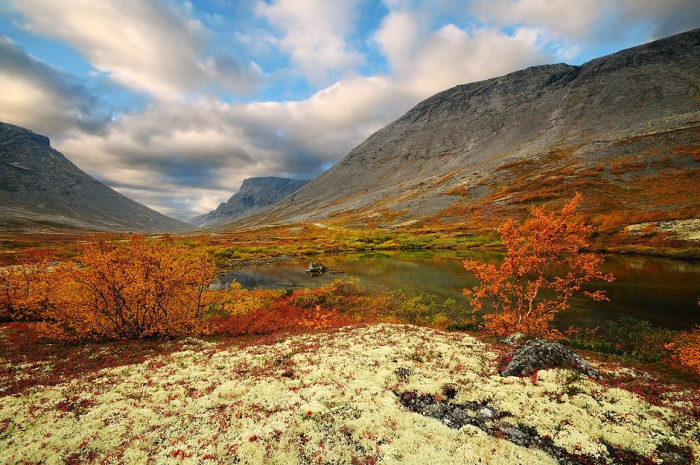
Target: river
660, 290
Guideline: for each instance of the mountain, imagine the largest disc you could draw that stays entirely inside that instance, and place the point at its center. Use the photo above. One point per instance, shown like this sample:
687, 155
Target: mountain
254, 194
40, 188
623, 130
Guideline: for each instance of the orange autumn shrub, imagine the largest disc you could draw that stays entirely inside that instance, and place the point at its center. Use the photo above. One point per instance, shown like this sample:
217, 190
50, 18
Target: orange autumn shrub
136, 289
543, 268
24, 290
686, 351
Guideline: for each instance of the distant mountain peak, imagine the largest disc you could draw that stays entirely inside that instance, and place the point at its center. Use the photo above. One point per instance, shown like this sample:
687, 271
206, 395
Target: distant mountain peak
255, 193
41, 188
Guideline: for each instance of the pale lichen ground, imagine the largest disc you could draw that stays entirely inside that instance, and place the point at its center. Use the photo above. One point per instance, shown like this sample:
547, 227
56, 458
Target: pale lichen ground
324, 398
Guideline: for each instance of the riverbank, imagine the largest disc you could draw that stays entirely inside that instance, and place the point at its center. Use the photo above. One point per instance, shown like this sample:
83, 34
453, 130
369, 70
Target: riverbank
337, 397
662, 291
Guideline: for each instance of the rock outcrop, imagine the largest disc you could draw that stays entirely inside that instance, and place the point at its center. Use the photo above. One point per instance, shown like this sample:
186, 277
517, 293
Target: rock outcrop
40, 188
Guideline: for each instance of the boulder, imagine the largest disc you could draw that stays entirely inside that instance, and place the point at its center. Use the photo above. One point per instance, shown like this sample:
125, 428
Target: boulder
512, 340
316, 268
538, 354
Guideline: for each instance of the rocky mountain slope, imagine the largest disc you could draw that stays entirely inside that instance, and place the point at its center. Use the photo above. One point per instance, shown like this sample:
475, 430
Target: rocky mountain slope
624, 130
254, 194
40, 188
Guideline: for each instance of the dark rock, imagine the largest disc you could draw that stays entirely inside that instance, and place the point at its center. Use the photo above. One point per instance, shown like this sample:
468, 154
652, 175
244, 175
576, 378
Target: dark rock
450, 414
672, 458
316, 268
538, 354
516, 436
487, 419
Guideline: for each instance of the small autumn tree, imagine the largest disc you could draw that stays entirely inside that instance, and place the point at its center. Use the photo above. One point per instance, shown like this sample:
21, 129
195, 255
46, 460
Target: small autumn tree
136, 289
543, 268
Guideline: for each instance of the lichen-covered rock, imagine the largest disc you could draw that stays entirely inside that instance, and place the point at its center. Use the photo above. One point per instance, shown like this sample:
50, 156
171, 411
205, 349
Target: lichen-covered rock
512, 340
333, 397
538, 354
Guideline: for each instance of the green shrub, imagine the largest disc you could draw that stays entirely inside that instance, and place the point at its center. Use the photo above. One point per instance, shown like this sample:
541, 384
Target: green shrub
639, 338
627, 337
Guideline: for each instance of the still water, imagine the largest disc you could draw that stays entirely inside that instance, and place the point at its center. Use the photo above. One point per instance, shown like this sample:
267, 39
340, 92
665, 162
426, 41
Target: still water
662, 291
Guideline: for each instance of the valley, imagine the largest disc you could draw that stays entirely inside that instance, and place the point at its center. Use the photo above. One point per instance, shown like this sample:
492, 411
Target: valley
555, 207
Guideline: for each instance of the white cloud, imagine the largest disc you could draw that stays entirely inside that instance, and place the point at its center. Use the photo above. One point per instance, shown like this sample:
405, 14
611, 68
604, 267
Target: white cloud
188, 151
44, 98
425, 62
453, 56
143, 45
181, 158
399, 39
592, 20
314, 35
563, 18
667, 17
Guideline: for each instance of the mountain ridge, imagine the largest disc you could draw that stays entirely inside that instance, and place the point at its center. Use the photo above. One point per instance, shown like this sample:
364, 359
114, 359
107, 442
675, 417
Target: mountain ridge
459, 156
41, 188
255, 193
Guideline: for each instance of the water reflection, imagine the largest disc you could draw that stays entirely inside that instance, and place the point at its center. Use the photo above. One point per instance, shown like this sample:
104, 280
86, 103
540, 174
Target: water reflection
662, 291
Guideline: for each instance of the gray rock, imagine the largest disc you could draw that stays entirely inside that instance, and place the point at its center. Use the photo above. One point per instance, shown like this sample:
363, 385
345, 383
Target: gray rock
538, 354
512, 340
456, 416
672, 458
316, 268
516, 436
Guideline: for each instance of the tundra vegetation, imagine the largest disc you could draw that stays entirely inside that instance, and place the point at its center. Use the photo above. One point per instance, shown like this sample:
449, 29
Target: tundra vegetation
116, 350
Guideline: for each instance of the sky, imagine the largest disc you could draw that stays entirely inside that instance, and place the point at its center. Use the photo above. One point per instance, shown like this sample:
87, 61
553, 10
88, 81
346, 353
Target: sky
174, 103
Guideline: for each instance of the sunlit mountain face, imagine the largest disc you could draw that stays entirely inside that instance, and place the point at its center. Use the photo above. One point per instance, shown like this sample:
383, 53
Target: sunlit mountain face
175, 103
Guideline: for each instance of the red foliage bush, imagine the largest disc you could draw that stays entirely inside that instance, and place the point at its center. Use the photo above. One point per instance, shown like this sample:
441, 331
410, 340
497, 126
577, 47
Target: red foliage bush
278, 316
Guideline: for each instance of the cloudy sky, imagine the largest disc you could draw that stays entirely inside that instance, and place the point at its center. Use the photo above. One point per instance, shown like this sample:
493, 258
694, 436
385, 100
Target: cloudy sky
173, 103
